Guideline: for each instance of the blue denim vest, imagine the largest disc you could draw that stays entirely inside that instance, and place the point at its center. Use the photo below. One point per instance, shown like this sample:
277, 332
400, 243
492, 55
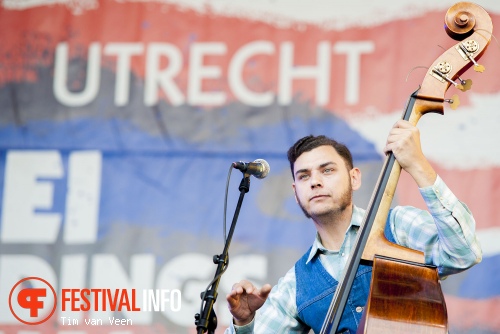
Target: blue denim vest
315, 288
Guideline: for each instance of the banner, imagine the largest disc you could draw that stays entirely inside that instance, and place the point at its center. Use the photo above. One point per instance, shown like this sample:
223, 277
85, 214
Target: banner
119, 121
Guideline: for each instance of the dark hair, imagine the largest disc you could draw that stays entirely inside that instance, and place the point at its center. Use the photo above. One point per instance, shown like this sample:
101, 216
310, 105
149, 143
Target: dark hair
311, 142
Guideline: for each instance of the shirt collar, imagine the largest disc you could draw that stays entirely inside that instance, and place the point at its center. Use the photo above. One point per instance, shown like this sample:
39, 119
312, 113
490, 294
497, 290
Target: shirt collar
317, 246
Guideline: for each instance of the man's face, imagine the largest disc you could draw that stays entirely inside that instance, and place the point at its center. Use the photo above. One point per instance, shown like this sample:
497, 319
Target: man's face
322, 182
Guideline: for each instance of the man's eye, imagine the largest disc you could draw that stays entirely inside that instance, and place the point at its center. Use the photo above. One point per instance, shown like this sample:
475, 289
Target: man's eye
328, 170
303, 176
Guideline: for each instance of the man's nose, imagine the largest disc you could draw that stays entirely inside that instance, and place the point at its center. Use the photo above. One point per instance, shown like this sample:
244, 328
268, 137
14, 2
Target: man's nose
316, 180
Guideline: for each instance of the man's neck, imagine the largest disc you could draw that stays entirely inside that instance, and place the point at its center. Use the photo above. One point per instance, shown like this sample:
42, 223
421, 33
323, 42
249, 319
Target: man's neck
332, 228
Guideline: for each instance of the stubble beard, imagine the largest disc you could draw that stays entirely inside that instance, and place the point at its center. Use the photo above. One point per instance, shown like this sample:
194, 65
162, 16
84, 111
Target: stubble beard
333, 213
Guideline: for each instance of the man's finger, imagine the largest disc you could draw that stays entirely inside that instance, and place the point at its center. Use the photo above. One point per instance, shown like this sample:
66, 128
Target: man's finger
233, 297
264, 292
246, 286
403, 124
233, 293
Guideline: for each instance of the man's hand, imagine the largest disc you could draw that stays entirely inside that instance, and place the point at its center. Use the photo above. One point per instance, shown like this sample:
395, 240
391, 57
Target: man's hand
244, 299
404, 142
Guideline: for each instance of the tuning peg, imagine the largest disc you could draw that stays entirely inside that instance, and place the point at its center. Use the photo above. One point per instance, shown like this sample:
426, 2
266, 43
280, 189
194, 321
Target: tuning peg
477, 67
466, 84
445, 77
454, 102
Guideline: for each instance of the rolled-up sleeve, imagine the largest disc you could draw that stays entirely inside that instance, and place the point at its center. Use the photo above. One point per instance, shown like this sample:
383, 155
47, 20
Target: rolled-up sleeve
445, 233
247, 329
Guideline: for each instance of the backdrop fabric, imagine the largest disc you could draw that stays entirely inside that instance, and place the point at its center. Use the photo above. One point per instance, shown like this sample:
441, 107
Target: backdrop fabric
119, 121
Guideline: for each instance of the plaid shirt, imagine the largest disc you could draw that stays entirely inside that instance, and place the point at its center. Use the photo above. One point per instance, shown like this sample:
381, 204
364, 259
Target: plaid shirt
445, 234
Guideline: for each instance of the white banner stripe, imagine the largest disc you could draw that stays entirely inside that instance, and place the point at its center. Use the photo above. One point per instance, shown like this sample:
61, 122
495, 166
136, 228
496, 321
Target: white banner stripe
462, 139
490, 241
329, 14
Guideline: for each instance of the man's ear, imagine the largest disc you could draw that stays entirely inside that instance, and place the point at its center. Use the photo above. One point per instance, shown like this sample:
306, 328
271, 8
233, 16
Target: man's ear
295, 193
355, 174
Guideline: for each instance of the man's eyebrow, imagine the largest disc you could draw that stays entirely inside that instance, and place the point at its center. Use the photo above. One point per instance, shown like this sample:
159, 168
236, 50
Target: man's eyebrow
303, 170
323, 165
327, 163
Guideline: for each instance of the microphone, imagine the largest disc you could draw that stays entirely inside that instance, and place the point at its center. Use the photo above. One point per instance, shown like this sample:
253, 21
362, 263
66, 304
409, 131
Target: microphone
259, 168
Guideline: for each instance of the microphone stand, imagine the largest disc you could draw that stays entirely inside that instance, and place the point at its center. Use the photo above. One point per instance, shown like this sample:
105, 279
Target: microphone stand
207, 320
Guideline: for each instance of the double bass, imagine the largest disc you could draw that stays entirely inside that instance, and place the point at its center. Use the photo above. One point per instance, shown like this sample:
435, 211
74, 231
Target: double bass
405, 293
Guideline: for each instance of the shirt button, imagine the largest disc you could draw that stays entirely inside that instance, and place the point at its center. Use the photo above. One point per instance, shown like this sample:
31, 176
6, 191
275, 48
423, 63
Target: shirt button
359, 309
342, 254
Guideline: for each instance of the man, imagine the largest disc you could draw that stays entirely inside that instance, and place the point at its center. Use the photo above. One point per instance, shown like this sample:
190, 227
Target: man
324, 179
